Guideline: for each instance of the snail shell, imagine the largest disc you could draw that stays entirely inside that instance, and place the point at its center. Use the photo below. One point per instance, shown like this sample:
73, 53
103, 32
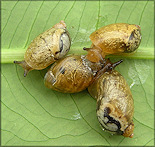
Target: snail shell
115, 105
71, 74
45, 49
116, 38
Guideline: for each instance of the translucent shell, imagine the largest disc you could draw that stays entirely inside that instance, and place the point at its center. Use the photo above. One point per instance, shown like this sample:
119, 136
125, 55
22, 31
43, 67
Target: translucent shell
45, 49
71, 74
115, 105
116, 38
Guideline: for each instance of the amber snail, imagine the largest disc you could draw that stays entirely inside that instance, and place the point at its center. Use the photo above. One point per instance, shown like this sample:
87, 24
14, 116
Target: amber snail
72, 74
75, 73
45, 49
115, 105
115, 38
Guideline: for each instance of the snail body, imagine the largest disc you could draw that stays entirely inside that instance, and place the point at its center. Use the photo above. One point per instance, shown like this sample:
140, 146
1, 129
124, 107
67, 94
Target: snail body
115, 105
116, 38
71, 74
45, 49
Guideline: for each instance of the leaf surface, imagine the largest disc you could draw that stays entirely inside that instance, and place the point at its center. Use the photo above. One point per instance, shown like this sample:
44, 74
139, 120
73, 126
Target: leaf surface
34, 115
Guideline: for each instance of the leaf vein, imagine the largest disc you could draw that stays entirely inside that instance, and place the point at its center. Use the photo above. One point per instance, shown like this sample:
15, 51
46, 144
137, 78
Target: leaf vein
87, 122
98, 15
9, 16
38, 102
80, 21
69, 10
25, 119
149, 141
45, 139
9, 140
119, 11
144, 91
15, 96
85, 36
149, 36
143, 124
48, 18
143, 12
19, 24
33, 24
121, 141
132, 11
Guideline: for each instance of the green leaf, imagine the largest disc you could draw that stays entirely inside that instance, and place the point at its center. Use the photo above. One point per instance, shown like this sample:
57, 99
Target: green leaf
31, 114
23, 21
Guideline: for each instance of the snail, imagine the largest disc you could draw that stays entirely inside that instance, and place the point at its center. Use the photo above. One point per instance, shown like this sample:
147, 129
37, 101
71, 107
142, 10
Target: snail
72, 74
45, 49
115, 105
115, 38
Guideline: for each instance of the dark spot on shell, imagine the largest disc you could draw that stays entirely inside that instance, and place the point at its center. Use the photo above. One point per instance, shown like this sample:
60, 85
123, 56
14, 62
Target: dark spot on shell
104, 82
107, 110
55, 58
103, 95
62, 70
98, 104
132, 36
43, 39
61, 47
111, 120
57, 52
74, 59
133, 42
118, 131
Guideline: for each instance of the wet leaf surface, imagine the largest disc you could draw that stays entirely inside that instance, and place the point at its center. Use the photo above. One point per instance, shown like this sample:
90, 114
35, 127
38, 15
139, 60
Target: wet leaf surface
31, 114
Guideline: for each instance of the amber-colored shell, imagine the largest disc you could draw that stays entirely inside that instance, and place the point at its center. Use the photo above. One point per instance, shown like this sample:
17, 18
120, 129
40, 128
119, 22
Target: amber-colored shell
45, 49
116, 38
115, 105
70, 74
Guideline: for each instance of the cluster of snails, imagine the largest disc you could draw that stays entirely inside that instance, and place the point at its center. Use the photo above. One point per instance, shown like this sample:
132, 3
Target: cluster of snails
75, 73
